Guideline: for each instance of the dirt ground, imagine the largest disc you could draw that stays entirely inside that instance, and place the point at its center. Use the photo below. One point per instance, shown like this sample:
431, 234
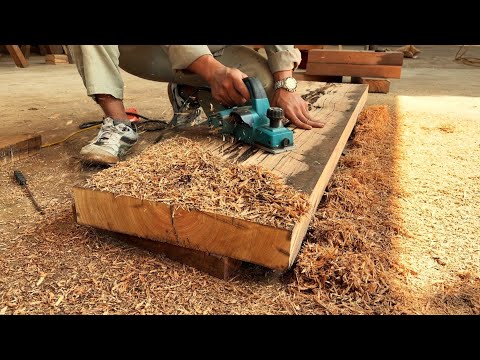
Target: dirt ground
50, 265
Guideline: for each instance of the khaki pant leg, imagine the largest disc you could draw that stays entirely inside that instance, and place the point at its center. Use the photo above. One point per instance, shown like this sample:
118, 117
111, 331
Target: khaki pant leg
151, 62
98, 67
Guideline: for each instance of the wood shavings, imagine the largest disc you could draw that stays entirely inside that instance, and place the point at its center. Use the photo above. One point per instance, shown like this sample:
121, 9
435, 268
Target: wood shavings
344, 264
349, 252
180, 173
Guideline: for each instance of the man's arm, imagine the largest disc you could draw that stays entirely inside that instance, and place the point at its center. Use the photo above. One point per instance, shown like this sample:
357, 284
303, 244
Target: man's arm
226, 83
283, 60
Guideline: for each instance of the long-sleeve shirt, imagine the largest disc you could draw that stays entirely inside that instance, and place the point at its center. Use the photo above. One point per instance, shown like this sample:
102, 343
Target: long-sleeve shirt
280, 57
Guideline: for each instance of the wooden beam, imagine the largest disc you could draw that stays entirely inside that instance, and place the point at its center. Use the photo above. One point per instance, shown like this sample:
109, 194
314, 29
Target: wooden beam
17, 55
356, 57
218, 266
381, 86
381, 71
307, 168
213, 233
18, 147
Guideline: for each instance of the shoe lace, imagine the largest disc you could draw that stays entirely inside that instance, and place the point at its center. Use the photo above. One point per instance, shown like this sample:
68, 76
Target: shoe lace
106, 132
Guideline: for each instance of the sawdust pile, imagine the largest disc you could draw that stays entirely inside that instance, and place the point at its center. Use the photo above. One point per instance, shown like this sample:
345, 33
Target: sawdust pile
55, 266
346, 261
181, 173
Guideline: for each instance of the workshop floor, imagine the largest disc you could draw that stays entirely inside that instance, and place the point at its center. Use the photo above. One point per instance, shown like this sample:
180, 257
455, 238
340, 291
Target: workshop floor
437, 104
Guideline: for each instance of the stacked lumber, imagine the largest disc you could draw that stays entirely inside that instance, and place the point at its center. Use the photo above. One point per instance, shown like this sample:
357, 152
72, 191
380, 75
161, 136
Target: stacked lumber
55, 59
365, 67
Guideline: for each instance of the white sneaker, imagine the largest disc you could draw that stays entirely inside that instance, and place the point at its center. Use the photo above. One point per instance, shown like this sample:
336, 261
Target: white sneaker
113, 140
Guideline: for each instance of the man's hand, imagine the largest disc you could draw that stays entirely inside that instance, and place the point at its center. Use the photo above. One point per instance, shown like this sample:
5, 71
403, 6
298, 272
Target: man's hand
226, 83
294, 107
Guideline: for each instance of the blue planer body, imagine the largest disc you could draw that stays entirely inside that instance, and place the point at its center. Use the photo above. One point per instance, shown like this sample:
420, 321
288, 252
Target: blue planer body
257, 123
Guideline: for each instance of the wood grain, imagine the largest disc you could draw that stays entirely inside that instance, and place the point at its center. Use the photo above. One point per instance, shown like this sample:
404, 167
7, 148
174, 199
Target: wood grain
381, 71
355, 57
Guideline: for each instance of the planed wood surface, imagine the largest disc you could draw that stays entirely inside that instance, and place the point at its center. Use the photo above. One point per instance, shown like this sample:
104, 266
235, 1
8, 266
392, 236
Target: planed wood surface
356, 57
17, 55
381, 71
381, 86
307, 168
18, 147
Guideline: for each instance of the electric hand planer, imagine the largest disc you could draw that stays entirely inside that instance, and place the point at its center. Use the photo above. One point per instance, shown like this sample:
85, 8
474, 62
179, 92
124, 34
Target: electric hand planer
257, 124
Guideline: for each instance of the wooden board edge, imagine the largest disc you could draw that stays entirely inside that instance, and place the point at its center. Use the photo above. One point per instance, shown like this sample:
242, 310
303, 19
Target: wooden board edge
387, 58
369, 71
28, 145
280, 262
301, 228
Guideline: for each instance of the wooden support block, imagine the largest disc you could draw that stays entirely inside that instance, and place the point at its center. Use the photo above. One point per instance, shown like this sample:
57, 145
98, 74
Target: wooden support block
218, 266
306, 168
380, 71
17, 55
381, 86
18, 147
356, 57
55, 59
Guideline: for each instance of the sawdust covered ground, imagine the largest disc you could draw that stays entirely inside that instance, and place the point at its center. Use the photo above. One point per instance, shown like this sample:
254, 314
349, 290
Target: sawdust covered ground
439, 171
357, 259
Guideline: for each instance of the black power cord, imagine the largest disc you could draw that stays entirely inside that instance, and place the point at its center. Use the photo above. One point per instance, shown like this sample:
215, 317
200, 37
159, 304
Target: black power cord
159, 124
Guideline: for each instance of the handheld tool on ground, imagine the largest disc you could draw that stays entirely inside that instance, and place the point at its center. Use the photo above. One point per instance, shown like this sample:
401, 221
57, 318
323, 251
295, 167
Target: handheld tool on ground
257, 124
23, 182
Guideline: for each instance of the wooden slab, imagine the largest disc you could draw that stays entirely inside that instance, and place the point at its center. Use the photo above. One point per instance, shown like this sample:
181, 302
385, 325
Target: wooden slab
18, 147
307, 168
380, 71
381, 86
355, 57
